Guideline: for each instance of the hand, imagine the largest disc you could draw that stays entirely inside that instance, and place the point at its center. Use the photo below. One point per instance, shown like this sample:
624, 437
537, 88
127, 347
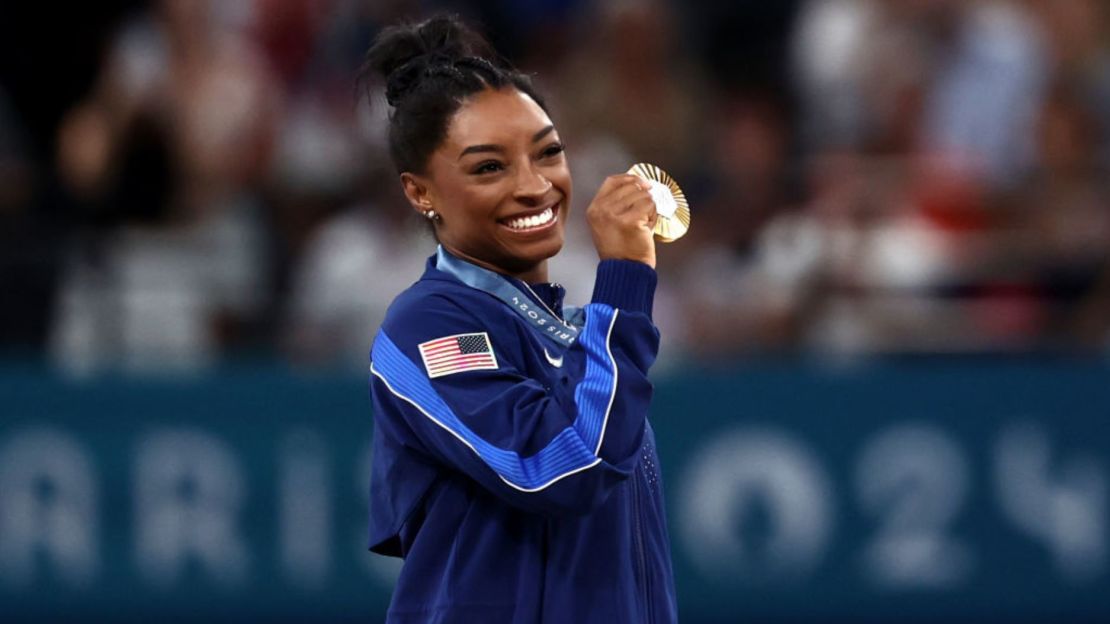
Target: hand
622, 217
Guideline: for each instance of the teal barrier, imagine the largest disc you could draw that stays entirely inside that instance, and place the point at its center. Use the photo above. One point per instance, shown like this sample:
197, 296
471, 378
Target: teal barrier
903, 490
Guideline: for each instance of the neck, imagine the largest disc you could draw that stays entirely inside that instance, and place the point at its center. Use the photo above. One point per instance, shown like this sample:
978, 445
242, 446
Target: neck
533, 274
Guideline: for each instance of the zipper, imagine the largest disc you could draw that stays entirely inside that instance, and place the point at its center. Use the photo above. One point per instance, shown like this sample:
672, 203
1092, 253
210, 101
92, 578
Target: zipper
638, 543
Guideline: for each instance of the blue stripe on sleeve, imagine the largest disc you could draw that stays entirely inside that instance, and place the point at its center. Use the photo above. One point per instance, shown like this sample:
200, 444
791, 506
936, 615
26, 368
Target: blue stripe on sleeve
594, 394
573, 449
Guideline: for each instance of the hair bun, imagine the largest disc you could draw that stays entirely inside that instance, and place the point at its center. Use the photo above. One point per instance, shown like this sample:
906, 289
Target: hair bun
403, 53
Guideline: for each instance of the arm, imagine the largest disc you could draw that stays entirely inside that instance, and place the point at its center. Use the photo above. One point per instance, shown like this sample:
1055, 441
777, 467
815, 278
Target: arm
558, 449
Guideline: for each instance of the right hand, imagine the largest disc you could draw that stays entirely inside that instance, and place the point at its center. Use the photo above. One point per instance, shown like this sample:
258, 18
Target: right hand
622, 217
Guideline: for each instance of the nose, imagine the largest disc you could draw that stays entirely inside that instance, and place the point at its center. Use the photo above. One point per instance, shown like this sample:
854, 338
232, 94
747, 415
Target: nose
531, 185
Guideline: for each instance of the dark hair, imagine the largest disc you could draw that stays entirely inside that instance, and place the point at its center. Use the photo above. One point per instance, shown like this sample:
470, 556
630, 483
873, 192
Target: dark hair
430, 68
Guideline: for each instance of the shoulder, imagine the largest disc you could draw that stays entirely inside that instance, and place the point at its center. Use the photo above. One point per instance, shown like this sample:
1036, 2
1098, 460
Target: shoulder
433, 308
429, 299
466, 328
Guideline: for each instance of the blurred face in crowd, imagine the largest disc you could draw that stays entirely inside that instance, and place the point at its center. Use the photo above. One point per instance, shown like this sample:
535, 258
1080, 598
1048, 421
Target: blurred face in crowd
499, 183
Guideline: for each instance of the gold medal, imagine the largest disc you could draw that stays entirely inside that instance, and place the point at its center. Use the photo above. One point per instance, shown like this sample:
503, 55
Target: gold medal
670, 202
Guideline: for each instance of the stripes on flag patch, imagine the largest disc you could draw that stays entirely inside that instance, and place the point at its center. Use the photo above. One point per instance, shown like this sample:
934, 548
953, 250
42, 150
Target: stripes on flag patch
458, 353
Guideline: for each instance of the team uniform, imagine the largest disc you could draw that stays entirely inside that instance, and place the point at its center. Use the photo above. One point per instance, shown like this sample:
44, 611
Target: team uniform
514, 468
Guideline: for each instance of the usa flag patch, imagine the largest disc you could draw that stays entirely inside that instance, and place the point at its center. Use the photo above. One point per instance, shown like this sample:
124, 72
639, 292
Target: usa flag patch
458, 353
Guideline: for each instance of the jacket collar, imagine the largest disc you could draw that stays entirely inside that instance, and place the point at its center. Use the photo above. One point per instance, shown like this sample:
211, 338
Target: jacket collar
549, 294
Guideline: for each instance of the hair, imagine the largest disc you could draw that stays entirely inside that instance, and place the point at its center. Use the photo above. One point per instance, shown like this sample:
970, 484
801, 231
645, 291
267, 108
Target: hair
430, 68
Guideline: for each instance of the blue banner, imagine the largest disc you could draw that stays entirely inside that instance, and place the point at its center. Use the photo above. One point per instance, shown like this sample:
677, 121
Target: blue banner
901, 490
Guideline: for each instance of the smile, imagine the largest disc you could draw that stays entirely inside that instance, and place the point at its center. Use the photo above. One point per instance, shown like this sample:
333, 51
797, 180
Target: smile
538, 221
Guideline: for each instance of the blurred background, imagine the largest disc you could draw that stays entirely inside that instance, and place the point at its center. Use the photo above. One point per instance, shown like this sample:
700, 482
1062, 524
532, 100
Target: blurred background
883, 387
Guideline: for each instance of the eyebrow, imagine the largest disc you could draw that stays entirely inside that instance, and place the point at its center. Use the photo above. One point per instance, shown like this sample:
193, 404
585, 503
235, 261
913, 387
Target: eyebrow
489, 147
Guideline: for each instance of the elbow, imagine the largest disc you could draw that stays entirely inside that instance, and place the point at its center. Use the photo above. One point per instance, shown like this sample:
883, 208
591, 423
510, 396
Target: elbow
580, 494
571, 509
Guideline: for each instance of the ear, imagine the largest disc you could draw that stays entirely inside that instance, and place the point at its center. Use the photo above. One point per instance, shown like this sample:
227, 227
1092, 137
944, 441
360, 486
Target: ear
417, 191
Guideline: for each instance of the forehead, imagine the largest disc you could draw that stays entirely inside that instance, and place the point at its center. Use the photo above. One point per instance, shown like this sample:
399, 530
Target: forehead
498, 117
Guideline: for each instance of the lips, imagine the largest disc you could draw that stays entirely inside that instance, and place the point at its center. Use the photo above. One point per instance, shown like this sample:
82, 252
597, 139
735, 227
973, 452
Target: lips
534, 221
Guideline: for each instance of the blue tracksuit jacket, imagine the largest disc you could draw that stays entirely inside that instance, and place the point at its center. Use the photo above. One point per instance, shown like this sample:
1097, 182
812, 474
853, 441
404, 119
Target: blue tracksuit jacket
514, 468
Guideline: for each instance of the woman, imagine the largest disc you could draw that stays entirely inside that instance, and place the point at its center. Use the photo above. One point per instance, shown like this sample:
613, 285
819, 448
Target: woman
514, 469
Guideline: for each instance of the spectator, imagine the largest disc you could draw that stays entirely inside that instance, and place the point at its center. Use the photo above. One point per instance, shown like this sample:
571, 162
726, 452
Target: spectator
161, 157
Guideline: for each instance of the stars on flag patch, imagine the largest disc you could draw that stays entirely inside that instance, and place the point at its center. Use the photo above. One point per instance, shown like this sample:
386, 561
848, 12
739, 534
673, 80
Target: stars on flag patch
458, 353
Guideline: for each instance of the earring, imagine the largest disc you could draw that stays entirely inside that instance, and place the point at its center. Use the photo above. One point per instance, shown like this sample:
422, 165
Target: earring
432, 215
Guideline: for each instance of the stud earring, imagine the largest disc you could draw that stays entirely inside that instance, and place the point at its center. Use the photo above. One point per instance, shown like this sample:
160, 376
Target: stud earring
431, 215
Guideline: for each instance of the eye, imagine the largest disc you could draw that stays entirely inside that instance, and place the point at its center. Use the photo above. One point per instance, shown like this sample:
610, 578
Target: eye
553, 150
489, 166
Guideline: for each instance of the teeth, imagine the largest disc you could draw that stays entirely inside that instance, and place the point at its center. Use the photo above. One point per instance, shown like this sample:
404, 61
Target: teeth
527, 223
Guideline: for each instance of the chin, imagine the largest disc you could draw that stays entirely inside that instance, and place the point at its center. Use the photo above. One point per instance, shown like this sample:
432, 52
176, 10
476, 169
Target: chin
521, 258
543, 249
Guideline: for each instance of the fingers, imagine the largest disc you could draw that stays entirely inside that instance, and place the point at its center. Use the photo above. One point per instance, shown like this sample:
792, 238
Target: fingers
629, 194
626, 193
621, 217
638, 203
617, 187
619, 181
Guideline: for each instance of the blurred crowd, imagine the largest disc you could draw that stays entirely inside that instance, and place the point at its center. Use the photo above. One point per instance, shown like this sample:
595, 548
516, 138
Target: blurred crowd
865, 176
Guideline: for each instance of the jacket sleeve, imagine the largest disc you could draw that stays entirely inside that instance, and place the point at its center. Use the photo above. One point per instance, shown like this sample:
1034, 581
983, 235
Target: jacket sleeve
557, 447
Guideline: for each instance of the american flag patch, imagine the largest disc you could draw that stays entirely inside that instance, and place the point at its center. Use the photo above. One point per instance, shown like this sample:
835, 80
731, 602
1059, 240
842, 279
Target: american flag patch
458, 353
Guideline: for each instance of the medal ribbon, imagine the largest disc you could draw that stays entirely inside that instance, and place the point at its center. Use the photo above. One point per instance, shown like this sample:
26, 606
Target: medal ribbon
499, 286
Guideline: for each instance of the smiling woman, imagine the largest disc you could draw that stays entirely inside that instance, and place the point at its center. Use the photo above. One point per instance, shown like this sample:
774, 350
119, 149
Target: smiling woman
511, 433
498, 182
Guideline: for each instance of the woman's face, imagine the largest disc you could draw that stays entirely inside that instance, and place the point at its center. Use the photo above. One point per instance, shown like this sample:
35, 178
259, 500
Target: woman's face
500, 183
